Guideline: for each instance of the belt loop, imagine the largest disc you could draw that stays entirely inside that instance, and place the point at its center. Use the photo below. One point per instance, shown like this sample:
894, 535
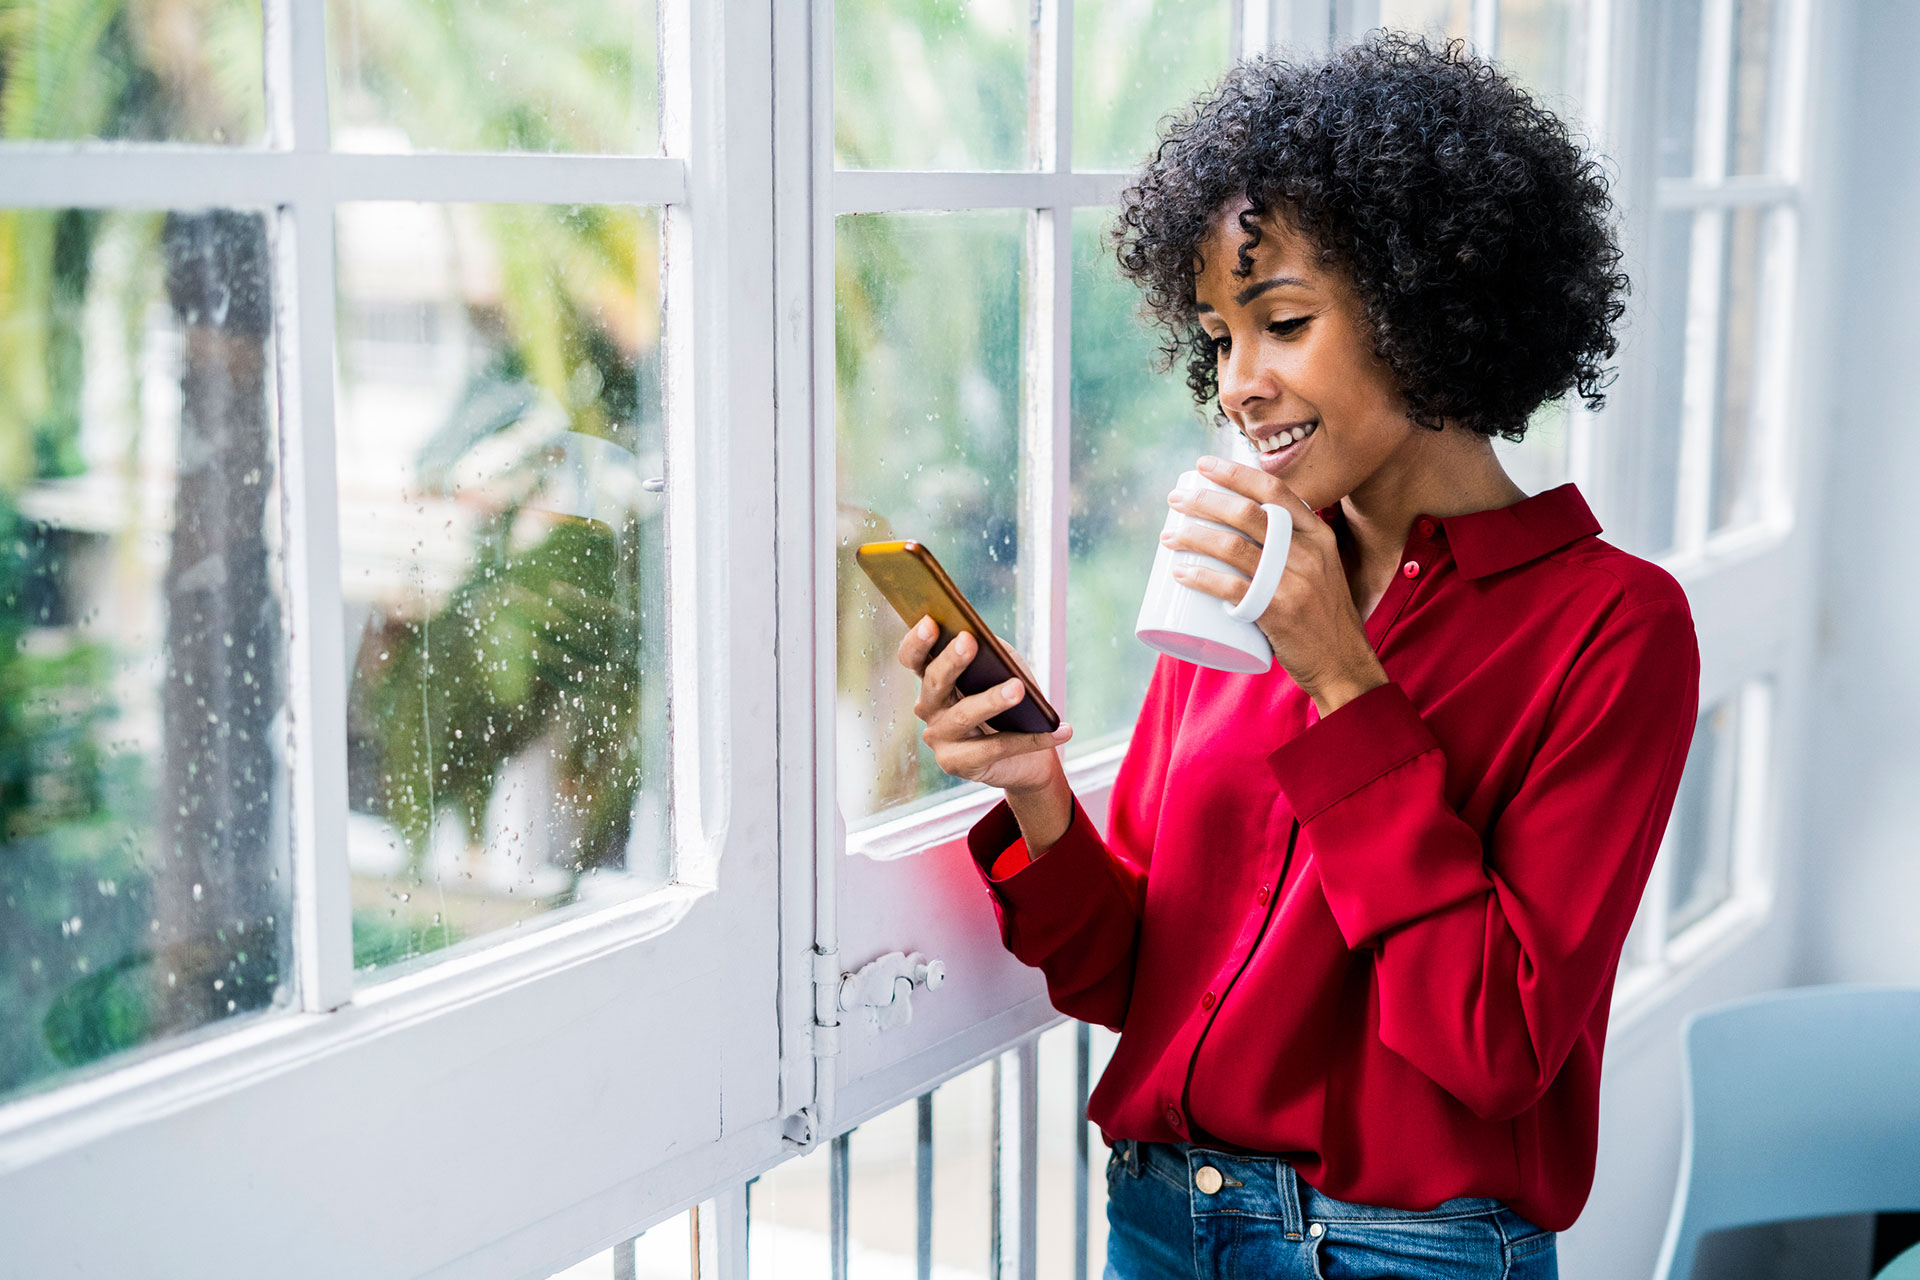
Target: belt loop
1133, 1155
1292, 1211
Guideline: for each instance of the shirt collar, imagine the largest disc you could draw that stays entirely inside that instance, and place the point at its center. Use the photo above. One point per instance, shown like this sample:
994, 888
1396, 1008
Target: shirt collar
1489, 542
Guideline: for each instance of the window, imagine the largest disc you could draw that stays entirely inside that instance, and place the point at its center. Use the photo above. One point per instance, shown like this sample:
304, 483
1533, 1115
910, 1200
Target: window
439, 727
383, 728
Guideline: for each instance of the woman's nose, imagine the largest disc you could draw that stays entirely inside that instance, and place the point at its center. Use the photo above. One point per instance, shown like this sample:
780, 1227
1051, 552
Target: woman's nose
1244, 381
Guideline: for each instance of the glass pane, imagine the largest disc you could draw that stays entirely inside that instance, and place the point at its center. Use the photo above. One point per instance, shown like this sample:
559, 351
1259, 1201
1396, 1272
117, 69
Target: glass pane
1541, 460
1059, 1123
963, 1153
1136, 62
927, 343
132, 70
787, 1236
883, 1222
1678, 58
1754, 25
1134, 432
1649, 462
500, 565
1700, 844
1439, 19
1541, 48
664, 1252
144, 875
930, 84
1737, 437
494, 75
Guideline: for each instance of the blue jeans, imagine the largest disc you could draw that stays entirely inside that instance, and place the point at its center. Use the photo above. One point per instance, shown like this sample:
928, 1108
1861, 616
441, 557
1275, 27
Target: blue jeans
1261, 1222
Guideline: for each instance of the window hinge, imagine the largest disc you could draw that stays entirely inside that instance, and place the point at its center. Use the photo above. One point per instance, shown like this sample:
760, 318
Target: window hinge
826, 1003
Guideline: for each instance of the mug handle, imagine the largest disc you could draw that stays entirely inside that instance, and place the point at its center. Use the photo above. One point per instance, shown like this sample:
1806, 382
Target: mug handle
1266, 575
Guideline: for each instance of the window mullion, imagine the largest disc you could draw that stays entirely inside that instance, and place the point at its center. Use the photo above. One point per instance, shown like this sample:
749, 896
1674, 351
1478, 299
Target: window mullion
1485, 27
317, 696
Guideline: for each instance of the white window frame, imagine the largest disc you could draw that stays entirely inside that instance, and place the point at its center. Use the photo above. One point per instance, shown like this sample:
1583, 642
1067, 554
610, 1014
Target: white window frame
315, 1137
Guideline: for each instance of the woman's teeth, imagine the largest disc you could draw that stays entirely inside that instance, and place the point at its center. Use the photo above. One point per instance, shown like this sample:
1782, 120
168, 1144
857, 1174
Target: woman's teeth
1275, 443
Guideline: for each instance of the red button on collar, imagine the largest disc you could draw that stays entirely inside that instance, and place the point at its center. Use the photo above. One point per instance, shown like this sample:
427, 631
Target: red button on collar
1411, 568
1262, 896
1426, 528
1206, 1001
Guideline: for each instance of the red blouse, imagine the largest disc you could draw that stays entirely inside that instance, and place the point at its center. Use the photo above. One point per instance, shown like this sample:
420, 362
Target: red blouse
1382, 944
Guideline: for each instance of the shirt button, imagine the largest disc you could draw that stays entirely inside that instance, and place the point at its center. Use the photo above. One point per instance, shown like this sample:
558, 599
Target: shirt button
1411, 568
1426, 528
1316, 1231
1262, 896
1208, 1179
1173, 1117
1206, 1001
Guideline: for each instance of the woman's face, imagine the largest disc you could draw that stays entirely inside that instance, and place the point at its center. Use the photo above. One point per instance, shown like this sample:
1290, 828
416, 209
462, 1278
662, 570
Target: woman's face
1294, 362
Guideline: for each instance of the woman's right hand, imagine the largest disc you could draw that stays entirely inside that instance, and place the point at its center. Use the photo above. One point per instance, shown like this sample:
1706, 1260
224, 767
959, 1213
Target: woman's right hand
964, 745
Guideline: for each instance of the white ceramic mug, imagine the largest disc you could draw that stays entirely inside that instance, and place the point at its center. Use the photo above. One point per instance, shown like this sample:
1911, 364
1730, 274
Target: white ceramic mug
1193, 626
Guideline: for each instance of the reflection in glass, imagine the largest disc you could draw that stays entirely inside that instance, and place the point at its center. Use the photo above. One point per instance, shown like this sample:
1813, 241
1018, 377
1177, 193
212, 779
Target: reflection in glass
939, 85
1735, 497
494, 75
1133, 64
927, 346
1677, 59
132, 71
1436, 19
1700, 846
1754, 23
144, 885
1134, 431
501, 565
1541, 49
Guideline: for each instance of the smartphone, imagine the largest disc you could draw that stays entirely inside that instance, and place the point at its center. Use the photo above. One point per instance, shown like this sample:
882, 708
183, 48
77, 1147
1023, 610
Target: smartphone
917, 587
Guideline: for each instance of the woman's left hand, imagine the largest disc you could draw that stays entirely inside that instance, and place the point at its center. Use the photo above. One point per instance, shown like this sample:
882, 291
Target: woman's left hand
1316, 632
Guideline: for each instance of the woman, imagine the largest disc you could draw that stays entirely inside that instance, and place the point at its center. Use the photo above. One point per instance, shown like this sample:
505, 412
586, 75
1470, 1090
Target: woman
1357, 919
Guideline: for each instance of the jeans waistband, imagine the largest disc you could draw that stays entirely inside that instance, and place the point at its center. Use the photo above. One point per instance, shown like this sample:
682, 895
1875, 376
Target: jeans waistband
1219, 1182
1269, 1187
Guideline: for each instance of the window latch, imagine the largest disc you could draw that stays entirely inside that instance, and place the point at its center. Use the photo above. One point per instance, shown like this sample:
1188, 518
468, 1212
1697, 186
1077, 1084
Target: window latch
884, 988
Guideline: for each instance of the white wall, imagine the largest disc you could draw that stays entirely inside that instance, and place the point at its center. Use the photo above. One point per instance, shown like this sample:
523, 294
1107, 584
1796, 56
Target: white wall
1862, 916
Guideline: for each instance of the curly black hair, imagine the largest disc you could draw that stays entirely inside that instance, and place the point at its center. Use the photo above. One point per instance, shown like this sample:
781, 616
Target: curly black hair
1476, 233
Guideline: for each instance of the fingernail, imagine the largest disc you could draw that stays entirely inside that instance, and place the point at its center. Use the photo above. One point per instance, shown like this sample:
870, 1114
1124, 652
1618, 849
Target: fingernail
963, 644
1181, 571
925, 629
1166, 537
1064, 732
1010, 691
1174, 496
1208, 463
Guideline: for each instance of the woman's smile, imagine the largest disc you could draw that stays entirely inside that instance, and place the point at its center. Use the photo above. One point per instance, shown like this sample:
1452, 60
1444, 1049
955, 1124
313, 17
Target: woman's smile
1280, 447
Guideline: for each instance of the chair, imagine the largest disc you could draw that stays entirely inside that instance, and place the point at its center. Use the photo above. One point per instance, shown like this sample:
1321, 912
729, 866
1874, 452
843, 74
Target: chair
1800, 1103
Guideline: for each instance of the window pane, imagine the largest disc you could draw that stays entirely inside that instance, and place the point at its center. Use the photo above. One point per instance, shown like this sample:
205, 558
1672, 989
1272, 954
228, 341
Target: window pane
930, 84
144, 883
787, 1228
964, 1127
133, 70
883, 1193
1540, 461
1136, 62
1540, 47
1736, 453
1058, 1125
1700, 853
927, 345
1754, 25
664, 1252
1677, 55
501, 565
494, 75
1649, 461
1439, 19
1134, 432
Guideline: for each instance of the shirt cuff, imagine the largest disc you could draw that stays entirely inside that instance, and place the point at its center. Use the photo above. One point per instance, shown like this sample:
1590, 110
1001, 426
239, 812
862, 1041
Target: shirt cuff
1019, 879
1337, 755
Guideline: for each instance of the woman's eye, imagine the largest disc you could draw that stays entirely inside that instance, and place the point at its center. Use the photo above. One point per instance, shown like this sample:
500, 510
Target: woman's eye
1287, 328
1220, 344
